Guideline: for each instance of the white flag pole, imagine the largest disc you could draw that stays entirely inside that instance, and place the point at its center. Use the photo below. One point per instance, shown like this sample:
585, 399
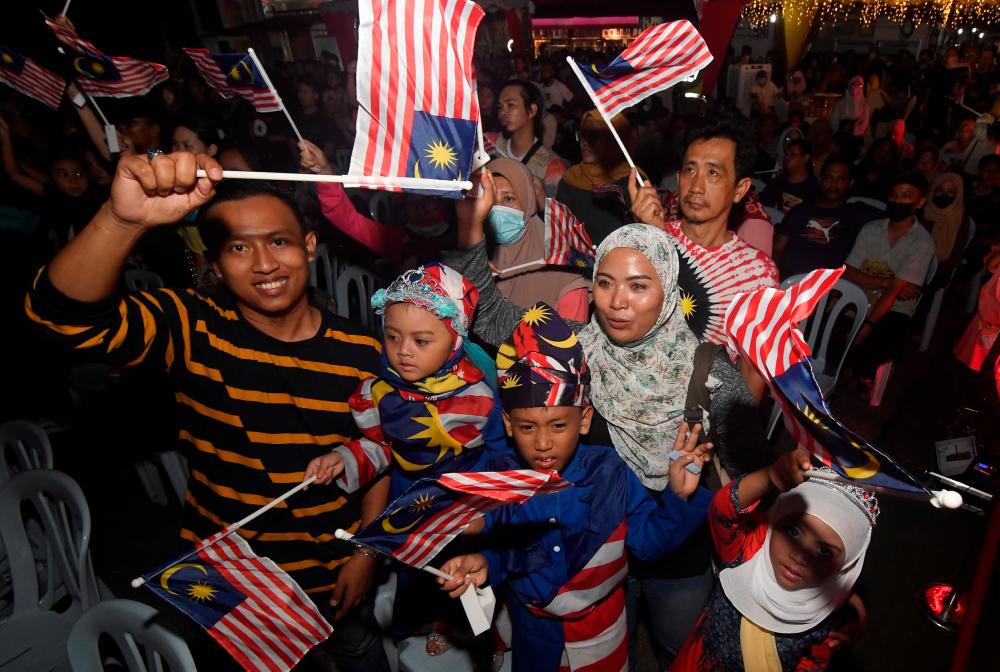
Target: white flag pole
267, 80
344, 535
66, 7
604, 115
939, 499
349, 180
529, 264
139, 581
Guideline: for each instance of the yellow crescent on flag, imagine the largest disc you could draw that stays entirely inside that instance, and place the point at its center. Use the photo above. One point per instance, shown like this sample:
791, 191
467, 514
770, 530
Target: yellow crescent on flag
165, 577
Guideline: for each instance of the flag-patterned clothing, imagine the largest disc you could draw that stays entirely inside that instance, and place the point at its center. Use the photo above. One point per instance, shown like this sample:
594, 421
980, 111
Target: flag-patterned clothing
230, 74
252, 411
100, 75
246, 603
762, 326
710, 278
714, 643
660, 56
563, 557
567, 242
34, 81
417, 109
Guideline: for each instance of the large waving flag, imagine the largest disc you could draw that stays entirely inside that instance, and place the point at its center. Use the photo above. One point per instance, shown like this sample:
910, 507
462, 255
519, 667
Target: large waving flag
763, 327
101, 75
21, 73
246, 603
567, 242
235, 74
433, 511
417, 109
660, 57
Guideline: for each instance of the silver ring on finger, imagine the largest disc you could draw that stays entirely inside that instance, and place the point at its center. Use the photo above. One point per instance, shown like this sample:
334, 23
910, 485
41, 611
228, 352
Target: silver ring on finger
153, 153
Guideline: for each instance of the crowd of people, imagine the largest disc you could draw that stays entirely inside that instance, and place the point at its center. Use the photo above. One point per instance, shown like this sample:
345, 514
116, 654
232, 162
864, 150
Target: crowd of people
486, 359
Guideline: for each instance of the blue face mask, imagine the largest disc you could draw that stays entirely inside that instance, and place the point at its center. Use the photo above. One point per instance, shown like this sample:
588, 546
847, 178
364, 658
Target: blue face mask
507, 224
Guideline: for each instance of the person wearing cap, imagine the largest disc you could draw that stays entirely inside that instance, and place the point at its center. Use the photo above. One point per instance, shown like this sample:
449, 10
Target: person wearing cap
563, 556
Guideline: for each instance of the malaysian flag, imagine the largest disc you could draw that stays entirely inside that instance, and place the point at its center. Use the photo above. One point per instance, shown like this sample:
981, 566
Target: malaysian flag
417, 108
763, 327
433, 511
660, 57
567, 242
230, 74
100, 75
246, 603
21, 73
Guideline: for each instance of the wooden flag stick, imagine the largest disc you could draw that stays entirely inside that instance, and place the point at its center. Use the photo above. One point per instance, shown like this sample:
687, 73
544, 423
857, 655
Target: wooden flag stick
939, 499
138, 581
604, 115
362, 180
267, 80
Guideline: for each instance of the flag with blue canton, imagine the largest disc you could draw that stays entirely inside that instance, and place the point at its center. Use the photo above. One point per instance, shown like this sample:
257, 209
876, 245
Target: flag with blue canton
418, 524
762, 326
250, 606
417, 107
22, 74
235, 74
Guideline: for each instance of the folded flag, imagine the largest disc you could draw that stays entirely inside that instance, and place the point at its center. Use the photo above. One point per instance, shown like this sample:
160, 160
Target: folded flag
762, 326
23, 74
230, 74
660, 57
433, 511
567, 242
100, 75
417, 107
246, 603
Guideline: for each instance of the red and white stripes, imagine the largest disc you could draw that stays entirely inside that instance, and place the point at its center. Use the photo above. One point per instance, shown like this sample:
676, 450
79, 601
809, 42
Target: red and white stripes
36, 82
564, 233
263, 99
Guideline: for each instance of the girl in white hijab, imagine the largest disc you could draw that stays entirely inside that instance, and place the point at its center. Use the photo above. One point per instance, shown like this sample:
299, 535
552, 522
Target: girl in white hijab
786, 593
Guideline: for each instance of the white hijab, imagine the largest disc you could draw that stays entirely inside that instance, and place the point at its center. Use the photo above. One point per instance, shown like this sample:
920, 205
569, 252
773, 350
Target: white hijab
640, 388
756, 593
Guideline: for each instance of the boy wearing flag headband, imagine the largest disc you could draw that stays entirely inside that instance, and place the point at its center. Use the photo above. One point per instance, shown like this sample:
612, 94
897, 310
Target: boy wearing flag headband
563, 556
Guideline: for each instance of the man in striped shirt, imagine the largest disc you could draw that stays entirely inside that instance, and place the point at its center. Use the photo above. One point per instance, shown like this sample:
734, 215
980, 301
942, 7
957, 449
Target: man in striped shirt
261, 375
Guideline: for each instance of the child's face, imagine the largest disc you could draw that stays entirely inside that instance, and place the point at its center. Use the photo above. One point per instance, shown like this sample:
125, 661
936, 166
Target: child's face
417, 344
805, 551
546, 437
70, 177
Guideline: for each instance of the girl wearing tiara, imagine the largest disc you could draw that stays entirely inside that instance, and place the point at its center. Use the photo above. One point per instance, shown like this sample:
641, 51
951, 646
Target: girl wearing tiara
784, 600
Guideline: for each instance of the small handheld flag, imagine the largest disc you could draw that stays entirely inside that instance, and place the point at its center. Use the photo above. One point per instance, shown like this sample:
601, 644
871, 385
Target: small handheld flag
763, 328
235, 74
567, 242
21, 73
417, 106
100, 75
433, 511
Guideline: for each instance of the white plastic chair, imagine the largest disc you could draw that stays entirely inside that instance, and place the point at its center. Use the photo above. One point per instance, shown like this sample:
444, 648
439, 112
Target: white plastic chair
358, 283
379, 207
323, 270
24, 445
141, 280
873, 202
930, 322
34, 636
818, 333
774, 214
143, 644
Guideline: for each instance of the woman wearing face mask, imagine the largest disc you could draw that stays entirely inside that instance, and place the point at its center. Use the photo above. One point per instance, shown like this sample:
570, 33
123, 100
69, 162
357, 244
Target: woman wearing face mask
516, 224
641, 354
944, 215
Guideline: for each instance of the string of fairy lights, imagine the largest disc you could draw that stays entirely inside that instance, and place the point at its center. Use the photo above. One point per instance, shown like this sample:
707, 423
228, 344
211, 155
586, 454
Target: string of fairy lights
942, 13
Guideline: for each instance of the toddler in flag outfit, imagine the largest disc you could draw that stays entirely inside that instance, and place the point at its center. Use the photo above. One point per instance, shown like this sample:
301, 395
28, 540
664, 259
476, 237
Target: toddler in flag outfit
784, 600
563, 556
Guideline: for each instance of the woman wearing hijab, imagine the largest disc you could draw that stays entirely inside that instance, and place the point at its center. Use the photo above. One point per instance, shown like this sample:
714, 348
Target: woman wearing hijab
596, 189
854, 109
944, 216
515, 220
785, 599
641, 355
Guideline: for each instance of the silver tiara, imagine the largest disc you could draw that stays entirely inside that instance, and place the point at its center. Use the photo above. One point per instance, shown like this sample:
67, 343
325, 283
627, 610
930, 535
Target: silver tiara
417, 287
863, 499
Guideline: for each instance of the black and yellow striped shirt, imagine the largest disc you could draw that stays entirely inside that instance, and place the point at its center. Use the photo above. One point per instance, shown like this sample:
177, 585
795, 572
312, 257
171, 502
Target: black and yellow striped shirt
252, 410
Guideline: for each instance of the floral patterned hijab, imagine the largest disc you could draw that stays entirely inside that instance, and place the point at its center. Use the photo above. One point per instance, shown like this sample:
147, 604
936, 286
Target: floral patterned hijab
640, 388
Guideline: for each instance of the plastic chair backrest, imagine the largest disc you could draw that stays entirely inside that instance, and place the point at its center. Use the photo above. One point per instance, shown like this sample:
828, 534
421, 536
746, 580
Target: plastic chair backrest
141, 280
323, 270
873, 202
144, 644
774, 214
931, 270
360, 284
25, 446
64, 516
819, 327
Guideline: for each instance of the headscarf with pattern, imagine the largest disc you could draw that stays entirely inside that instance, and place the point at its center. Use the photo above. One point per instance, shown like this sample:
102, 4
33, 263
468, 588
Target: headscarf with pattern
640, 388
542, 363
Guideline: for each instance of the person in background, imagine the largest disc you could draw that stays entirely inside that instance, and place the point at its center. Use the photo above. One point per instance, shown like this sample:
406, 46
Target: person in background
141, 126
875, 174
982, 201
764, 91
945, 217
312, 122
554, 92
976, 343
520, 112
926, 161
904, 148
956, 151
853, 112
796, 183
596, 189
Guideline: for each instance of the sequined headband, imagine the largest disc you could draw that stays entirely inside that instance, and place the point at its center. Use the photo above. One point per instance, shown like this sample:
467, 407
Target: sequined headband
863, 499
419, 288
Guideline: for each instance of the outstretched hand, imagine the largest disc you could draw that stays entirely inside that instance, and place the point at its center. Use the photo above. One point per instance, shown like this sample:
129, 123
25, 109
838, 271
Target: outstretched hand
162, 191
682, 481
486, 198
465, 570
646, 205
313, 159
789, 470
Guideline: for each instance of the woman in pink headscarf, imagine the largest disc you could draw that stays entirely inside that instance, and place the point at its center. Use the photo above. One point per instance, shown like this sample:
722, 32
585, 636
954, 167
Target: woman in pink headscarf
853, 107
